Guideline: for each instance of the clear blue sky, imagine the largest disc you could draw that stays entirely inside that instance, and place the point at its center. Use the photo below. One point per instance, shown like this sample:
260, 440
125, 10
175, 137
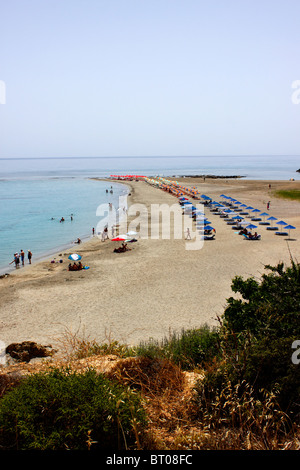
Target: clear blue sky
149, 77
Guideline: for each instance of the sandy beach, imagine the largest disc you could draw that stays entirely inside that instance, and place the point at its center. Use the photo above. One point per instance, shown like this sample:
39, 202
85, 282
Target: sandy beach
157, 287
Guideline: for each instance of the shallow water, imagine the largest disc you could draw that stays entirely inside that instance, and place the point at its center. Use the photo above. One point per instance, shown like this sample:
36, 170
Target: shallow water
31, 210
36, 193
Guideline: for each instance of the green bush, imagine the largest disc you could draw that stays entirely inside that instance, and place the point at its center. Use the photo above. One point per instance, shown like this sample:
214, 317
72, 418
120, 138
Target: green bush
258, 330
188, 349
62, 409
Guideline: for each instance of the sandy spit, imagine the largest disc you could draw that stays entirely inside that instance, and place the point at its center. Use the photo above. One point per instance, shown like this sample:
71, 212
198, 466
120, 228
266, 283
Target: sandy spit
158, 287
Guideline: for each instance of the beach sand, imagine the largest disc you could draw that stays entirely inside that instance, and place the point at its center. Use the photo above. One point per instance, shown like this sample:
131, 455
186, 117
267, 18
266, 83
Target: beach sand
158, 287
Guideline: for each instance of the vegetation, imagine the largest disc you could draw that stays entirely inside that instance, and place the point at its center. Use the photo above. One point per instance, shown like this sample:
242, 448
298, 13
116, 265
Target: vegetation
246, 390
288, 194
189, 349
61, 409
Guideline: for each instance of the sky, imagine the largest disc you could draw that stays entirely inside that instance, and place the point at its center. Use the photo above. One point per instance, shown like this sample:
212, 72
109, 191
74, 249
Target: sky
141, 78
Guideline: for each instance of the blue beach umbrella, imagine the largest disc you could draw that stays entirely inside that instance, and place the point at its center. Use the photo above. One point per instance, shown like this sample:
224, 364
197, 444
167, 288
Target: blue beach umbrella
281, 223
75, 257
264, 215
272, 220
251, 226
289, 228
208, 227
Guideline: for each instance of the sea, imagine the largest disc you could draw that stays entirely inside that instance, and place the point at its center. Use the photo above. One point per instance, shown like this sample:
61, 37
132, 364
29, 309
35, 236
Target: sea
36, 193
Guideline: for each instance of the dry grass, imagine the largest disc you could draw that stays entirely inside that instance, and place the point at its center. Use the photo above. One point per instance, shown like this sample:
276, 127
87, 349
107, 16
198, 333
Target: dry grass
177, 421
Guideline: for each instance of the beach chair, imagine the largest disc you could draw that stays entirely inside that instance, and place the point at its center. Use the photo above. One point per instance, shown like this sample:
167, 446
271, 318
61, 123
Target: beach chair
209, 237
258, 237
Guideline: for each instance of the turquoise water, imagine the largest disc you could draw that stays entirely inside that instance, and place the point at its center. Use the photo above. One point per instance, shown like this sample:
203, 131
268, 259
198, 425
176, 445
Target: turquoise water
31, 209
36, 193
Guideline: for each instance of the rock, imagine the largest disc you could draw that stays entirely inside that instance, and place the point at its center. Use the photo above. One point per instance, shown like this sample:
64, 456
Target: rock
27, 350
3, 276
298, 171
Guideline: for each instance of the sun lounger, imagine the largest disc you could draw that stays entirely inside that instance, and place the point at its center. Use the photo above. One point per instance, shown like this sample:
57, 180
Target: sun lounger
208, 237
252, 238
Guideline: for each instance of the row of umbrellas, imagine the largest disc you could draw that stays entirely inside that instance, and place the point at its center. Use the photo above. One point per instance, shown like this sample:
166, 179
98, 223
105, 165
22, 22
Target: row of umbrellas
124, 237
259, 213
202, 223
173, 187
125, 177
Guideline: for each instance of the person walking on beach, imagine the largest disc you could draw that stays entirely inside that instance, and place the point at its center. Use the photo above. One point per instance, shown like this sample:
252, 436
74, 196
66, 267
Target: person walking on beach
29, 256
188, 235
93, 230
268, 205
22, 255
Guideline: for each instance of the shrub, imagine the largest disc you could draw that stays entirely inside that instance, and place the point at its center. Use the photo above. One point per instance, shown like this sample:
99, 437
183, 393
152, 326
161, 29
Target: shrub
236, 406
256, 338
150, 376
61, 409
189, 349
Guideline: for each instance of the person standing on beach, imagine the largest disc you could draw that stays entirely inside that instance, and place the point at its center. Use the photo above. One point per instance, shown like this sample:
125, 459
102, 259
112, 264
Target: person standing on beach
22, 255
268, 205
16, 260
29, 256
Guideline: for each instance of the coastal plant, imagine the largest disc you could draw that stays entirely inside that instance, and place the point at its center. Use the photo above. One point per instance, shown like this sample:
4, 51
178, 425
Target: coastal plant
61, 409
257, 333
236, 419
189, 349
150, 376
293, 194
76, 345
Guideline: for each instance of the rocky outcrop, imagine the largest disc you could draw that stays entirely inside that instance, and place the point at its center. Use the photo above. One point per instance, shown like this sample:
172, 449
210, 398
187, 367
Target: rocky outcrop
24, 352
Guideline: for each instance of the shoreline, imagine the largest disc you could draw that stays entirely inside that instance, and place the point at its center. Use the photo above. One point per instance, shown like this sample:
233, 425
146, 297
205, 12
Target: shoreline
157, 287
53, 252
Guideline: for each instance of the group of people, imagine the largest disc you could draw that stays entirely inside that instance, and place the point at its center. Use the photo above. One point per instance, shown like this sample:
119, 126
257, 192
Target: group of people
75, 266
246, 232
19, 258
122, 248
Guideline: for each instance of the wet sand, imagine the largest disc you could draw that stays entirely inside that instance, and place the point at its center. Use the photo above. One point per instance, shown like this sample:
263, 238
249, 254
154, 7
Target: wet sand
156, 288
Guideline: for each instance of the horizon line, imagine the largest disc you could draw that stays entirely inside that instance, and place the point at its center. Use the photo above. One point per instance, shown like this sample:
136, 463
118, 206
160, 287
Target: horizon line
152, 156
